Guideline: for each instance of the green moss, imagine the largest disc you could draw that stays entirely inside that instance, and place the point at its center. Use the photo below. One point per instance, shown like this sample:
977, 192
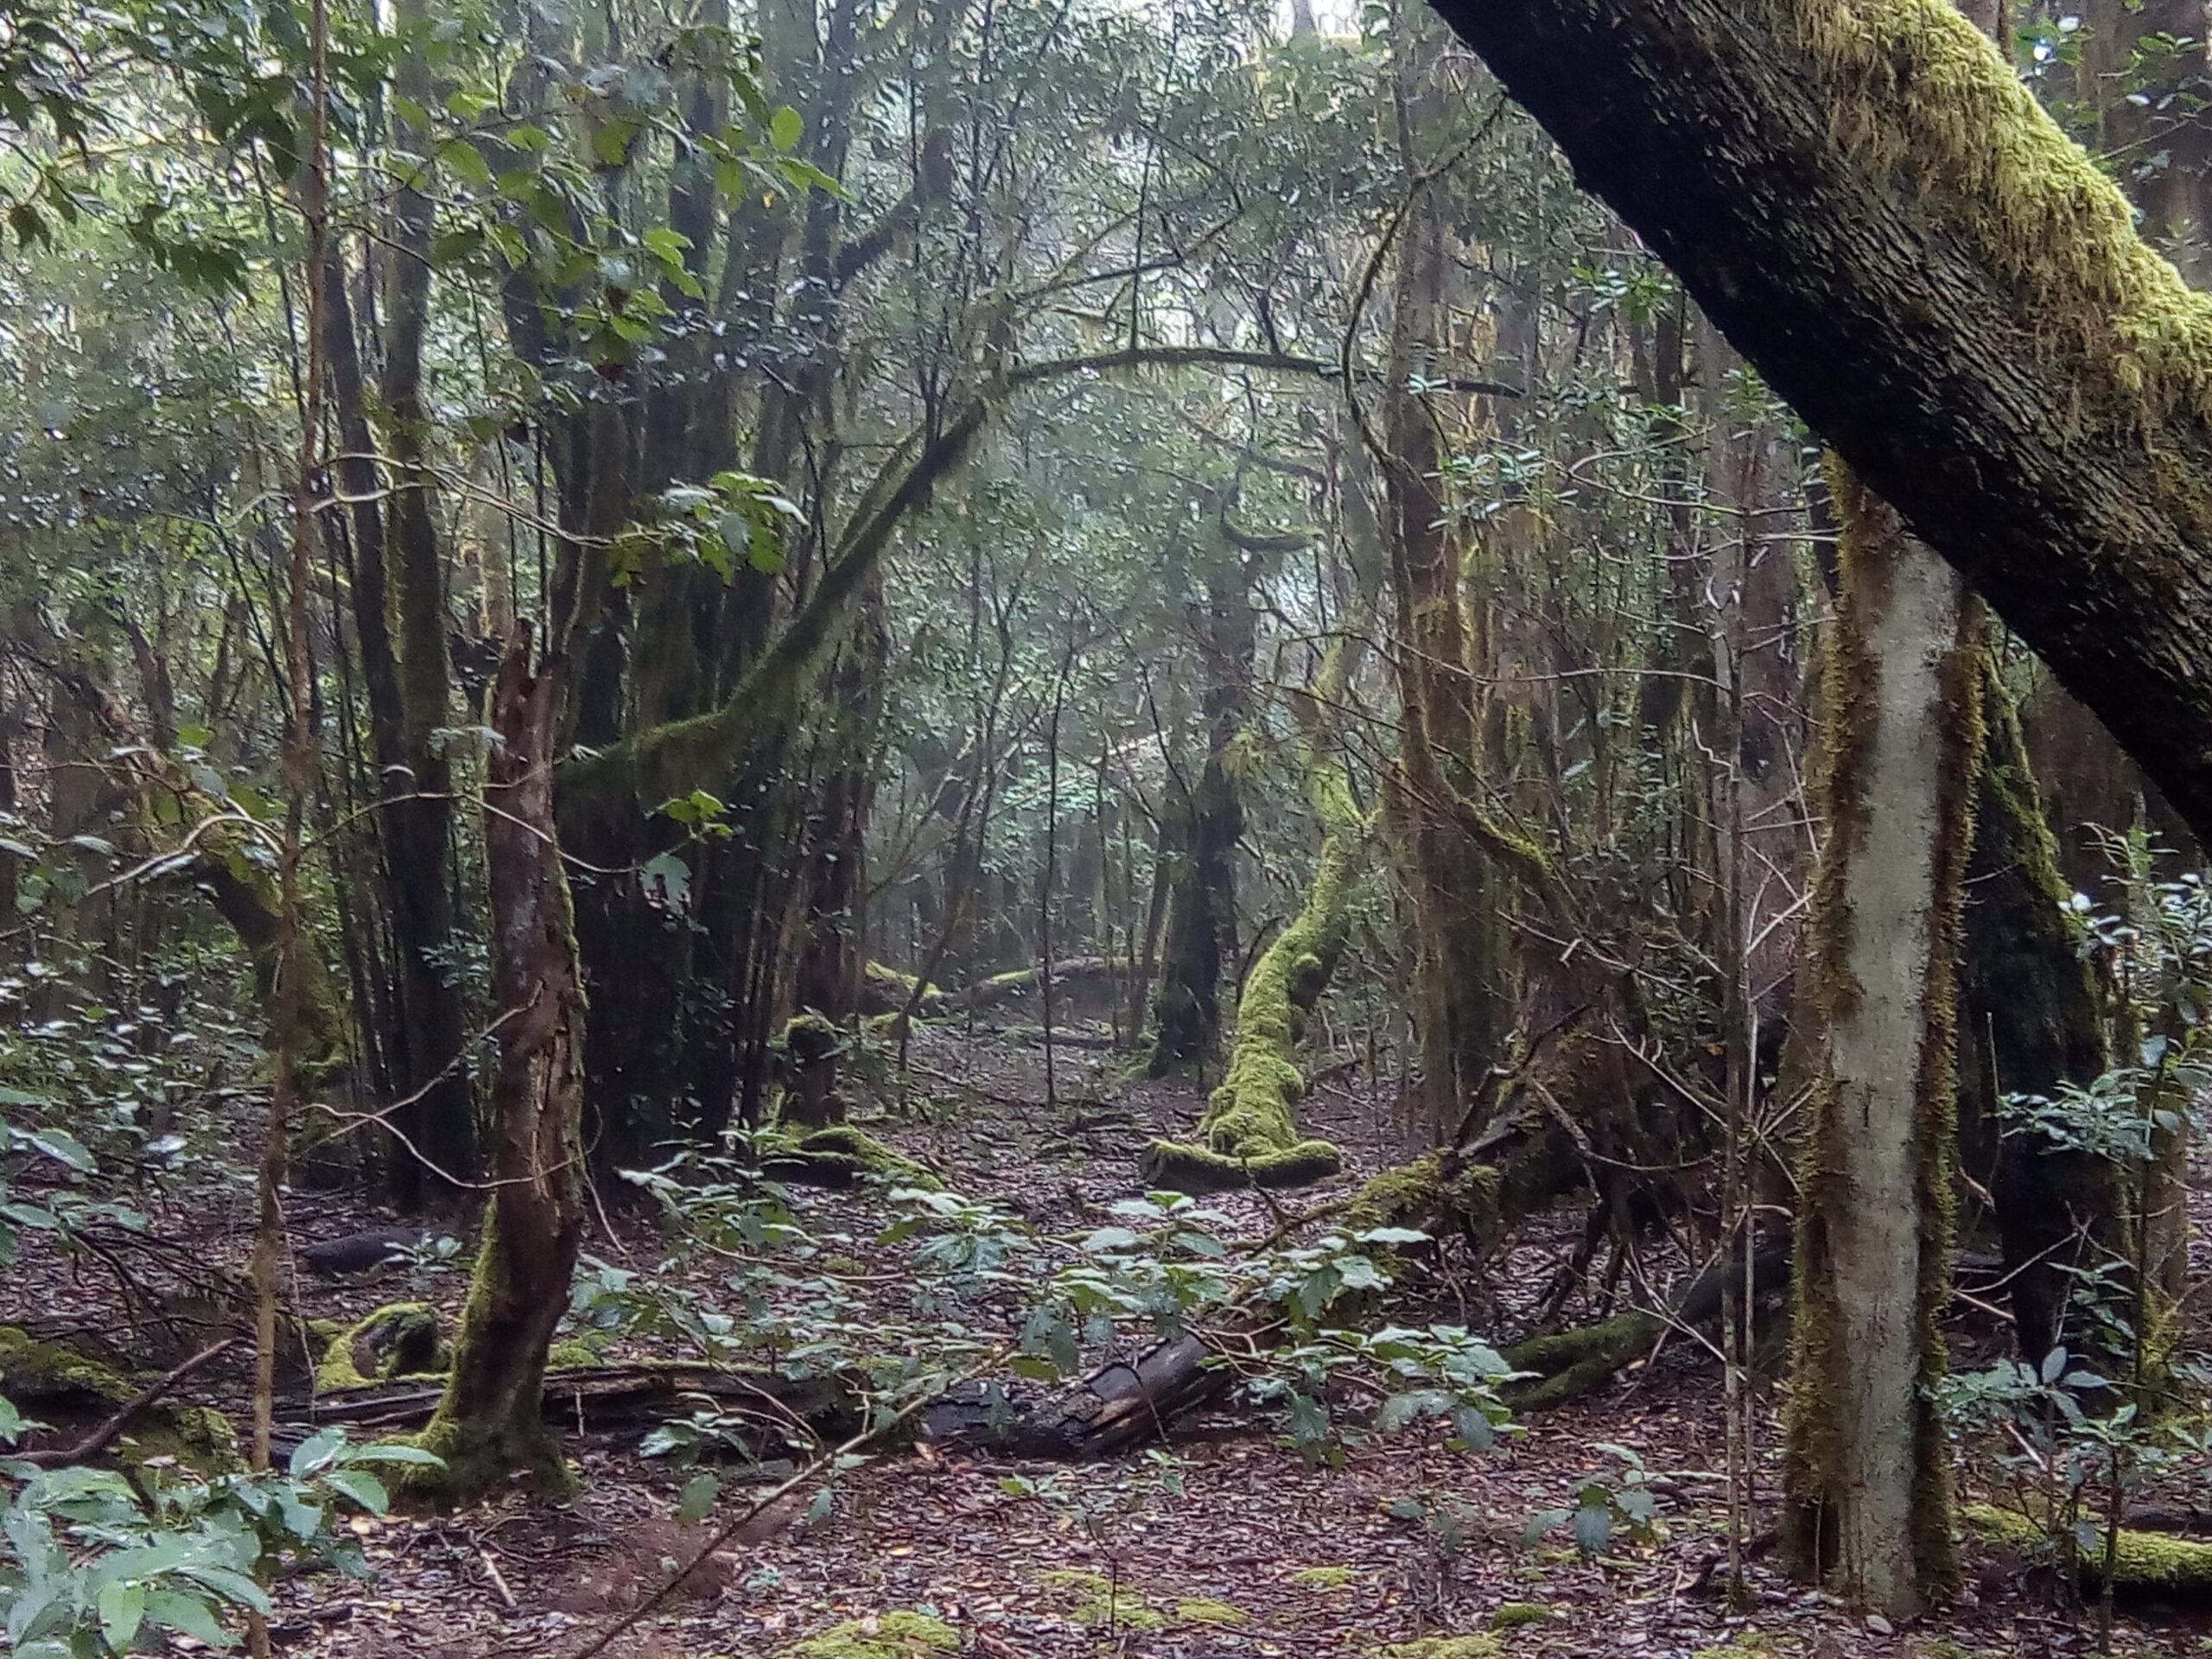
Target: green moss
197, 1436
1202, 1610
1570, 1364
1512, 1615
898, 1634
1249, 1132
573, 1354
1441, 1647
2145, 1560
839, 1154
1099, 1602
1324, 1578
398, 1339
1920, 95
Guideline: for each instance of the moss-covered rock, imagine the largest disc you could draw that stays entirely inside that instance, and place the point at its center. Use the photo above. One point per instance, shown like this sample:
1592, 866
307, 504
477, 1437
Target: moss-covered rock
1324, 1578
839, 1155
898, 1634
2145, 1560
398, 1339
53, 1380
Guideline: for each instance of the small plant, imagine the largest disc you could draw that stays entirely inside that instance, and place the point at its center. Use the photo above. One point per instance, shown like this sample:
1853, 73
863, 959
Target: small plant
1604, 1506
90, 1565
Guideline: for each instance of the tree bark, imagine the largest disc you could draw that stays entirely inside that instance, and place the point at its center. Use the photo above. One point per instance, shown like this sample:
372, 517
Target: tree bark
1881, 219
490, 1422
1868, 1469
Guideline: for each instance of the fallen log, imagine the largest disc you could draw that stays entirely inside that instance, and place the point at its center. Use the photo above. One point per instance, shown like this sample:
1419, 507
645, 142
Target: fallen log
1117, 1407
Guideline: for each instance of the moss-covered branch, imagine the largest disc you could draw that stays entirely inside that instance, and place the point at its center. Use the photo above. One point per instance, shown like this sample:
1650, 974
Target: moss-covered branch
667, 759
1951, 292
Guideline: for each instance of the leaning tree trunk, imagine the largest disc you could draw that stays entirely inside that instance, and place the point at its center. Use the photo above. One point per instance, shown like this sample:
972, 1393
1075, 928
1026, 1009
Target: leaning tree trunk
1879, 216
1867, 1470
489, 1423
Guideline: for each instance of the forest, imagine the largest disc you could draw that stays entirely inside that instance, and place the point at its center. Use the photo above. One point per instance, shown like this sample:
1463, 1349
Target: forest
1186, 828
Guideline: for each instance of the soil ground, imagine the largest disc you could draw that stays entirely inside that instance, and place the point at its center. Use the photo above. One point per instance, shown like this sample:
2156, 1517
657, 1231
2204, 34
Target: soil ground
1259, 1555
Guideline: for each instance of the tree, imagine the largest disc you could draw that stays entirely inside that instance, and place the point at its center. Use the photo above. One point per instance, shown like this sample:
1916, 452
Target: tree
1869, 1470
1909, 249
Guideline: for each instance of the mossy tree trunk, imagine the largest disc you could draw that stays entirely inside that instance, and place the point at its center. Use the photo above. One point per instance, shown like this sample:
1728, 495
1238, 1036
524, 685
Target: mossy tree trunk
1463, 998
490, 1424
1867, 1469
404, 679
1249, 1134
1208, 823
1873, 208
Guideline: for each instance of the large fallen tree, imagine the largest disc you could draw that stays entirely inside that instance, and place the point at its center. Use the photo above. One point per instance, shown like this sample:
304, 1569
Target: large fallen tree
1864, 200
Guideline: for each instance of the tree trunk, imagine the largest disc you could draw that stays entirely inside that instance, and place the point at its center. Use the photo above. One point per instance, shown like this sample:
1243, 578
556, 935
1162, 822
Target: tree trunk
1867, 1469
1879, 217
1463, 998
1202, 898
2030, 1022
490, 1423
1249, 1131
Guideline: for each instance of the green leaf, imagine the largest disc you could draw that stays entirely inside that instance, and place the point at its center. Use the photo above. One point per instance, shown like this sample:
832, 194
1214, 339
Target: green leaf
464, 160
360, 1488
785, 128
1593, 1529
1399, 1410
189, 1613
394, 1452
314, 1453
63, 1148
610, 144
122, 1610
700, 1493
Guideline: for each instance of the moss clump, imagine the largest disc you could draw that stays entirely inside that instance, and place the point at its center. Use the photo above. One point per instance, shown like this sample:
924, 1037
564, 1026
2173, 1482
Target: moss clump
570, 1355
33, 1372
2145, 1560
1441, 1647
899, 1634
839, 1155
1099, 1602
1324, 1578
398, 1339
1204, 1610
1512, 1615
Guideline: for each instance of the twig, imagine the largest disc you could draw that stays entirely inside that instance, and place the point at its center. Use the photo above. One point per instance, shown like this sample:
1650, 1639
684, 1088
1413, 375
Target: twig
825, 1463
95, 1442
498, 1579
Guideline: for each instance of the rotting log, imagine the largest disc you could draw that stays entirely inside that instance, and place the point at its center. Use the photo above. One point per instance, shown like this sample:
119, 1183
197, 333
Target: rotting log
1120, 1406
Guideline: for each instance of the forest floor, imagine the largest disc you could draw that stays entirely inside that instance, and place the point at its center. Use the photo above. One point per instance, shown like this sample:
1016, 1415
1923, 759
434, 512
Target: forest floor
1258, 1555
